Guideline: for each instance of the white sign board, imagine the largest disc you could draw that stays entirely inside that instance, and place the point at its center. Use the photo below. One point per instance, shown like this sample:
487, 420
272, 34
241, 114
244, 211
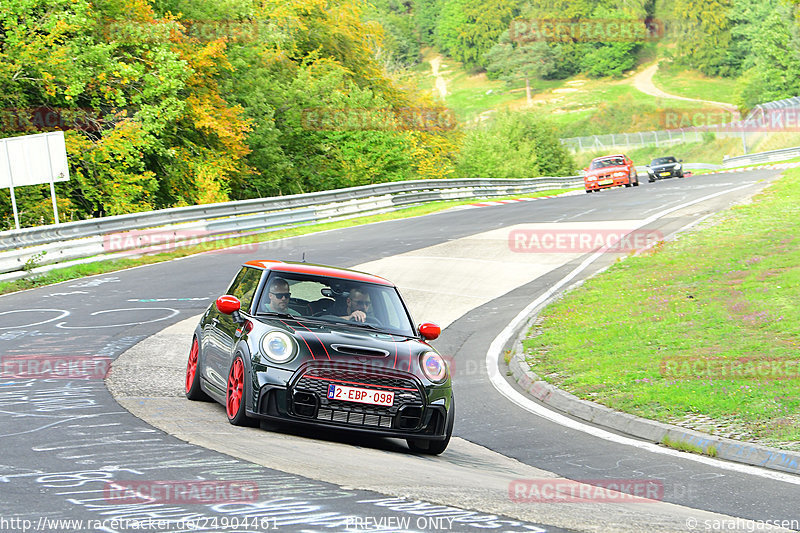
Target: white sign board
33, 159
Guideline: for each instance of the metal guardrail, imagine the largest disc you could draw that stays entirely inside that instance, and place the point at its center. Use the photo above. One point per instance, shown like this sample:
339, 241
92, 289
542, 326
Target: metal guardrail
117, 234
642, 170
762, 157
763, 118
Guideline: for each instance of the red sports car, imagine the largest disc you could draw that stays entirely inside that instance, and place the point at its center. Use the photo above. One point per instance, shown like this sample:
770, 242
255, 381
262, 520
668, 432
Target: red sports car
610, 171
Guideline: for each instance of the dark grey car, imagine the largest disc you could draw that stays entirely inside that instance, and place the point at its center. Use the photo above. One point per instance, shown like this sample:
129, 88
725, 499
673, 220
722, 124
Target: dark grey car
664, 167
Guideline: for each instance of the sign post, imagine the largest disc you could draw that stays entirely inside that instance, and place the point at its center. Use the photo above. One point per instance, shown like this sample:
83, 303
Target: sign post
33, 160
52, 184
11, 186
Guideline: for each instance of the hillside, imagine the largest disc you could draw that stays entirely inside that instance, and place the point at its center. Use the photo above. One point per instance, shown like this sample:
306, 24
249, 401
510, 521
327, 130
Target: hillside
654, 96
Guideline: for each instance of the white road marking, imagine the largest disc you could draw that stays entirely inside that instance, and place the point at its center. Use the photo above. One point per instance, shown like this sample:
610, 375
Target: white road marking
173, 312
504, 388
62, 314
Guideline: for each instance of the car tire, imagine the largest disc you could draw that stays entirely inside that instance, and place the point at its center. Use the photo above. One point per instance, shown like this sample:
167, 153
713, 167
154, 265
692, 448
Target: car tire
235, 394
435, 447
588, 191
651, 181
192, 387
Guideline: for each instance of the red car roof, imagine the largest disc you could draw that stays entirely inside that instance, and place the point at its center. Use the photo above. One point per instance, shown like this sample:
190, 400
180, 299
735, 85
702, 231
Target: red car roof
319, 270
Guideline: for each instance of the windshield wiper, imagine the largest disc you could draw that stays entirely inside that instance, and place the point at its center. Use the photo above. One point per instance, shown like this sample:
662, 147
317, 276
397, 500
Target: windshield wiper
362, 325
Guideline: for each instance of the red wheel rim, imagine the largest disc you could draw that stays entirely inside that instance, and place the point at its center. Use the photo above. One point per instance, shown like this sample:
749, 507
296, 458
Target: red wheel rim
191, 366
235, 384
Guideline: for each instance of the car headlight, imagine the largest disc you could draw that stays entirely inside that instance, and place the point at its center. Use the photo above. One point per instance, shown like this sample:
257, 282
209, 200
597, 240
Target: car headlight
677, 167
619, 174
591, 178
433, 366
650, 171
278, 346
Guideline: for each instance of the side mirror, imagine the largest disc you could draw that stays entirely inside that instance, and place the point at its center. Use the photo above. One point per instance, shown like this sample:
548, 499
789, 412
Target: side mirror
230, 305
586, 169
429, 331
227, 304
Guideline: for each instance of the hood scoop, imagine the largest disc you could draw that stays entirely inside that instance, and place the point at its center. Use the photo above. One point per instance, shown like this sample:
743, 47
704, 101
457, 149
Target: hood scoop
348, 349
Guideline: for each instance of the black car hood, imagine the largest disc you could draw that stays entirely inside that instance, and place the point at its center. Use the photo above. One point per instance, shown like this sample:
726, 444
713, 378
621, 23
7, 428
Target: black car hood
333, 342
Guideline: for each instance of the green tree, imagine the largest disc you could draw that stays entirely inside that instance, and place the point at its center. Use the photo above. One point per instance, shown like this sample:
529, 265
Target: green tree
467, 30
426, 15
513, 61
513, 145
702, 32
773, 66
400, 47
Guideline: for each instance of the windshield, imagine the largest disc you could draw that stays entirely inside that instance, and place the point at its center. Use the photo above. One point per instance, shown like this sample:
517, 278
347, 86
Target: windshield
335, 300
607, 162
662, 161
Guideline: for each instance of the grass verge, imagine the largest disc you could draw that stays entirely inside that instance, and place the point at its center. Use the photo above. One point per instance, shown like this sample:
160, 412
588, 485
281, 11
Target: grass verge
89, 269
700, 332
688, 447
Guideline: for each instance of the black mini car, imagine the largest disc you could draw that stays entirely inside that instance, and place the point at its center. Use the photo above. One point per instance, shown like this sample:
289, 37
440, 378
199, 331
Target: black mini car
664, 167
322, 346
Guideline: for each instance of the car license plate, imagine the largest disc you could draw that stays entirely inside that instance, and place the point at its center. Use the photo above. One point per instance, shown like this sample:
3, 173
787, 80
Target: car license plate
353, 394
665, 173
605, 182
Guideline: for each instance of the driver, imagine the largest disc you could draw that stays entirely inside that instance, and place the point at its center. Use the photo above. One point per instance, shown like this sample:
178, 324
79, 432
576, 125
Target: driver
358, 304
279, 298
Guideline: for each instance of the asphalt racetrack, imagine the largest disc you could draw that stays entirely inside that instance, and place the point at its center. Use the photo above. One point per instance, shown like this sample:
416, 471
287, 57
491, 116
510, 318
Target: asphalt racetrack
69, 445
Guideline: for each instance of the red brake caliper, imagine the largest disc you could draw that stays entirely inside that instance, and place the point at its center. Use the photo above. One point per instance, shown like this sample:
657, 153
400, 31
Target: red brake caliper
235, 382
191, 366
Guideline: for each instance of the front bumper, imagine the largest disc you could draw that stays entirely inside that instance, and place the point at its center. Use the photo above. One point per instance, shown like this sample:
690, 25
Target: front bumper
665, 174
303, 400
605, 183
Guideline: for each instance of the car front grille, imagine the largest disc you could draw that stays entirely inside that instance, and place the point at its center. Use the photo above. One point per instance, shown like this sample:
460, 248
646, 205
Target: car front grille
309, 398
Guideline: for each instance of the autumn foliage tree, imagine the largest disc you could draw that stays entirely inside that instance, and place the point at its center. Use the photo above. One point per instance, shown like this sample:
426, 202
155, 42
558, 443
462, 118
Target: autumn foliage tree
197, 102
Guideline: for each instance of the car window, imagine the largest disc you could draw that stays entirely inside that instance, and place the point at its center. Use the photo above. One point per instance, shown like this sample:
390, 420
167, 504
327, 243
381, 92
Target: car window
610, 162
306, 290
386, 305
244, 286
663, 160
324, 298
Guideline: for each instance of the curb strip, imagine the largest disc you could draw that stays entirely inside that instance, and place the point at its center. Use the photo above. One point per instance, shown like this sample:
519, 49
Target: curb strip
649, 430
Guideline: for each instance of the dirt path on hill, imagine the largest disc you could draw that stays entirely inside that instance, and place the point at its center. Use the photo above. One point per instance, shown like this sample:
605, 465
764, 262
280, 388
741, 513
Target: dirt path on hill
441, 84
643, 81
